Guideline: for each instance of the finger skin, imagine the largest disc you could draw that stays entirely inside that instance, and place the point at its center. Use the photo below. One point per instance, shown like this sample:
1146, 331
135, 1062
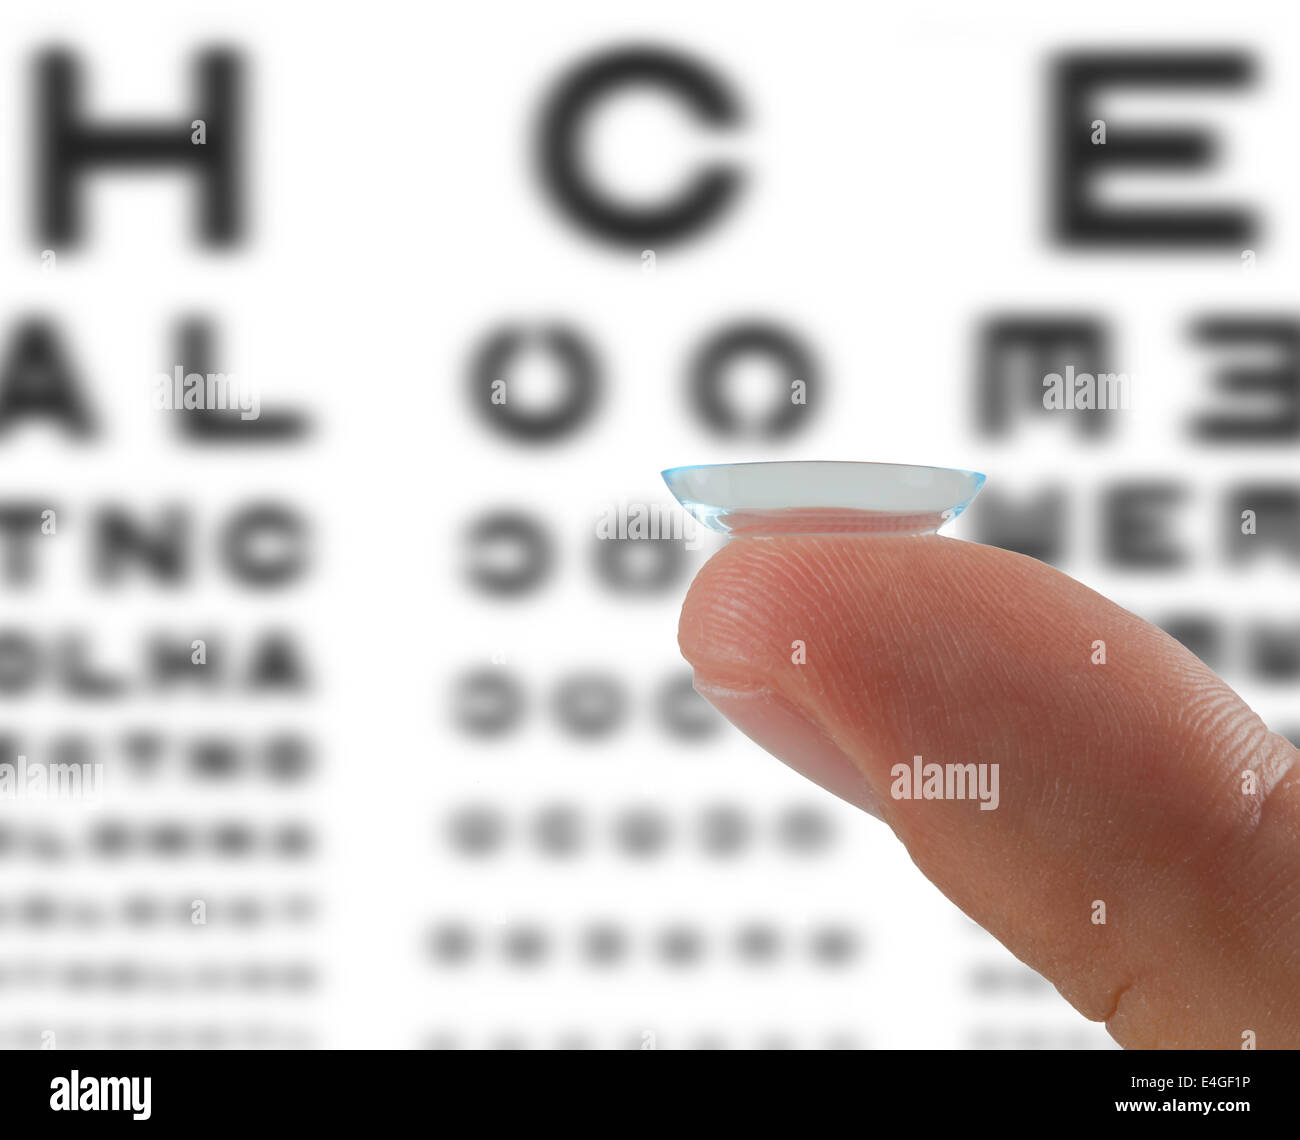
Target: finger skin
1122, 783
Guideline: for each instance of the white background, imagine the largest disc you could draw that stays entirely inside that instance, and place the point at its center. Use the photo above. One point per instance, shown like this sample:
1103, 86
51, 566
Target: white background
895, 169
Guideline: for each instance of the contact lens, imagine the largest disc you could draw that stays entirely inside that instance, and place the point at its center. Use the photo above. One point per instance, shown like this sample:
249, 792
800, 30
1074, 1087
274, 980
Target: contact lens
820, 497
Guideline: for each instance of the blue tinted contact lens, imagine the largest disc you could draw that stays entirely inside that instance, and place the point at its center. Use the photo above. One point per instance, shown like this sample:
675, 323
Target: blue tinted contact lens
768, 499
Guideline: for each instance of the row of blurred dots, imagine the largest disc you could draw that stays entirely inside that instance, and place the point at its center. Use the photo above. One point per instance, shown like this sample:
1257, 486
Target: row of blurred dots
1036, 1037
282, 758
606, 944
117, 839
506, 1040
134, 975
980, 1037
677, 944
48, 911
29, 1035
510, 553
589, 705
559, 830
1012, 353
713, 396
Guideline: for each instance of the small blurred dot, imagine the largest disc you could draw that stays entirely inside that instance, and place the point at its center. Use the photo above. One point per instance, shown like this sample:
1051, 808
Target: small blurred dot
287, 758
804, 829
452, 943
299, 908
841, 1041
232, 839
709, 1041
139, 910
477, 830
683, 712
84, 914
78, 976
758, 942
510, 554
604, 943
489, 702
299, 976
724, 830
776, 1042
442, 1041
681, 946
525, 945
833, 945
142, 749
46, 846
245, 911
294, 840
208, 1037
123, 976
111, 838
559, 830
169, 840
508, 1042
641, 831
590, 705
215, 759
640, 566
255, 976
39, 910
573, 1042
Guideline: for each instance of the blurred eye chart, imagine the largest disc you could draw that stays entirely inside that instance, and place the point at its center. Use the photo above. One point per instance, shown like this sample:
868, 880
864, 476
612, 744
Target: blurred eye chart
341, 347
